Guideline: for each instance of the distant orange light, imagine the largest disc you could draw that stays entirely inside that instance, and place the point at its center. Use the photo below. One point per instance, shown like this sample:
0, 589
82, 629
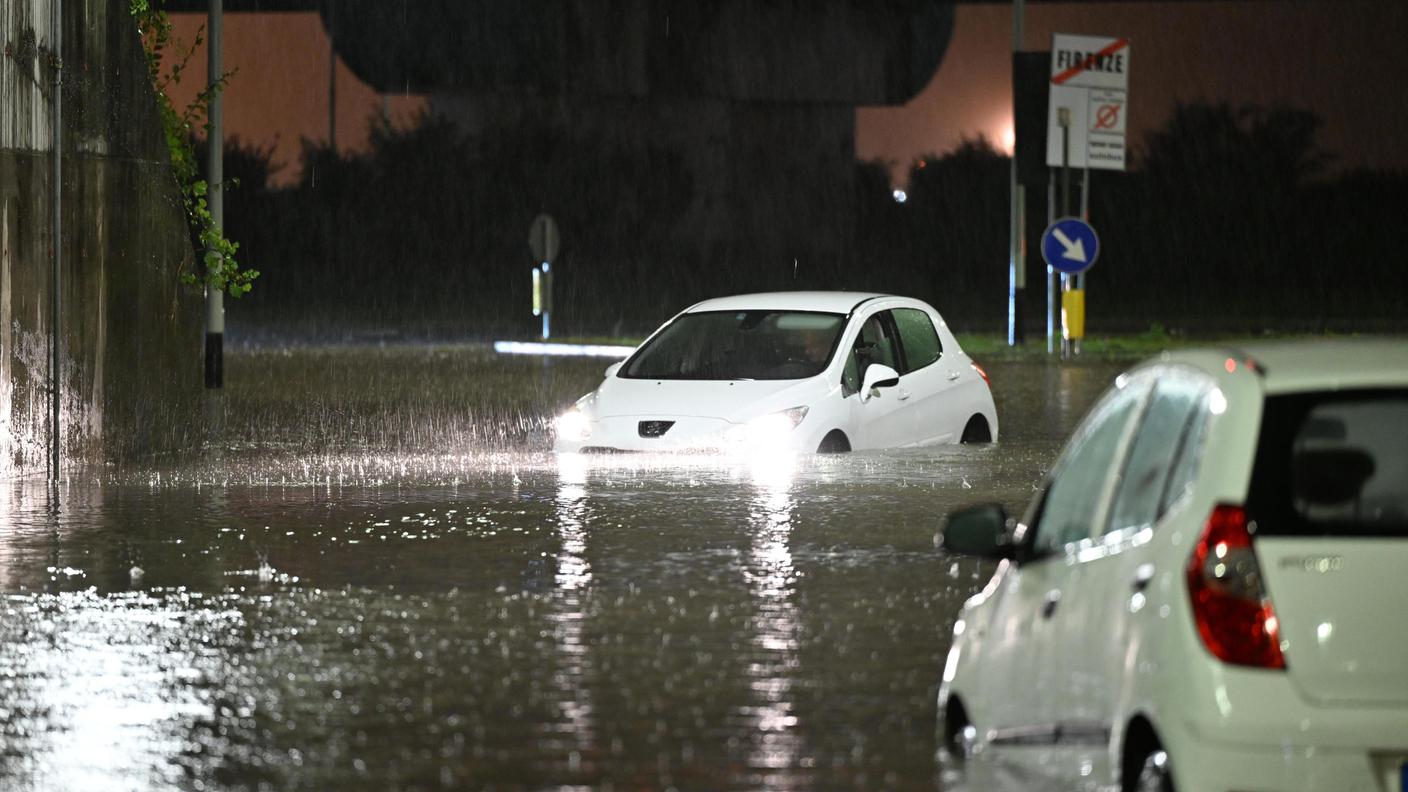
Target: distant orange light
1230, 365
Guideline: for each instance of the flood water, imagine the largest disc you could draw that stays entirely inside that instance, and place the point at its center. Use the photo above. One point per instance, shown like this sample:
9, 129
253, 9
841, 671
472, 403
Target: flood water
377, 577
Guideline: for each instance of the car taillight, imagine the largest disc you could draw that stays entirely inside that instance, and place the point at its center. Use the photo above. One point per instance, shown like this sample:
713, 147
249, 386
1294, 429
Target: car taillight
981, 373
1230, 604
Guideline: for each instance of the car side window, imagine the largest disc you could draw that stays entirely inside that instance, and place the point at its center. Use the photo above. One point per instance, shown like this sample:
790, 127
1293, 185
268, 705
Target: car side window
874, 344
1139, 494
1188, 455
1077, 491
918, 338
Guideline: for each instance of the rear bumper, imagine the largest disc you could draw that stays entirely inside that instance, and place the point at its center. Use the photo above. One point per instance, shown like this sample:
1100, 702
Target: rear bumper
1267, 737
1292, 767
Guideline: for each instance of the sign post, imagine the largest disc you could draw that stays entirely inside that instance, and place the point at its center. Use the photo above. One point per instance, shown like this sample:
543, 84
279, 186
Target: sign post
544, 242
1070, 246
1085, 129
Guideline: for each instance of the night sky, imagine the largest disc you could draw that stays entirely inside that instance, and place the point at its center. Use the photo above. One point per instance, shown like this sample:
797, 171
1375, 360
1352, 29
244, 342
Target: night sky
1344, 60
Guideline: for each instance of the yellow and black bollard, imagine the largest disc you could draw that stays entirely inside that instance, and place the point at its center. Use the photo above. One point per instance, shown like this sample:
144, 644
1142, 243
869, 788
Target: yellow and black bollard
1072, 320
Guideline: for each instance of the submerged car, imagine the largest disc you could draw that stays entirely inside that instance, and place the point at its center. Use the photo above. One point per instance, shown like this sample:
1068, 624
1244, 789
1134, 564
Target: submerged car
1208, 592
802, 371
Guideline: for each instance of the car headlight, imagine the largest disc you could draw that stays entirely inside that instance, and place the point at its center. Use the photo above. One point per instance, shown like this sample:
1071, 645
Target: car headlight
770, 428
573, 425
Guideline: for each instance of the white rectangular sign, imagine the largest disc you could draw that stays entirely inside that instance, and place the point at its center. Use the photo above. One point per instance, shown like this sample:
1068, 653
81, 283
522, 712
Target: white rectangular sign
1090, 82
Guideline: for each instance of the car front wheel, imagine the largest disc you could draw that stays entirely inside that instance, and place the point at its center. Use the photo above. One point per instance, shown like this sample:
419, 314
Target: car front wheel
835, 442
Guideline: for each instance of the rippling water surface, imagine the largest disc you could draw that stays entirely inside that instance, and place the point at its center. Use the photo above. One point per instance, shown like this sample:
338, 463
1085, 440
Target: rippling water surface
376, 577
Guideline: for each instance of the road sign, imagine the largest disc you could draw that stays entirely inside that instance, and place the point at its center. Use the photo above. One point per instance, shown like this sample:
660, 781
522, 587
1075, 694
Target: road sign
543, 239
1090, 81
1070, 245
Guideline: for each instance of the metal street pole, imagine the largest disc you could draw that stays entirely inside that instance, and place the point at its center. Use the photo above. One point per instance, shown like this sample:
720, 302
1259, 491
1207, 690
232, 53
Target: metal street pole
1084, 215
55, 280
1063, 119
1050, 270
215, 176
1016, 280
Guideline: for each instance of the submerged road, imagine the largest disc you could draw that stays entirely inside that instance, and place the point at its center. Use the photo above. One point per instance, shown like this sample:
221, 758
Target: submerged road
376, 577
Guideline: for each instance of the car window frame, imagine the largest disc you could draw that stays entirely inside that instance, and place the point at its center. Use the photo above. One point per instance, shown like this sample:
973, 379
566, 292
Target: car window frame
1195, 418
903, 351
1031, 524
888, 327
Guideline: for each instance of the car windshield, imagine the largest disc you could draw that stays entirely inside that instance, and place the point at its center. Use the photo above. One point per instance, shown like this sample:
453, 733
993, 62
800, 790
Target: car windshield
739, 345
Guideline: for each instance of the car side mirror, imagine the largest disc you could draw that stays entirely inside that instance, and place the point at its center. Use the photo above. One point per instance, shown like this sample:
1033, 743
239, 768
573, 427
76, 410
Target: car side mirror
983, 531
877, 375
613, 368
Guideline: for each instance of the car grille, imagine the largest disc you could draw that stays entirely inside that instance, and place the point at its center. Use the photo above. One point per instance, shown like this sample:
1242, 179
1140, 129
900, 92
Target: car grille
654, 428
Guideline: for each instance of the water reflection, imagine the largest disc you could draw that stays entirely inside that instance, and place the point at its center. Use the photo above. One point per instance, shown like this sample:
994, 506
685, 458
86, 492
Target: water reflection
572, 583
95, 695
436, 616
776, 626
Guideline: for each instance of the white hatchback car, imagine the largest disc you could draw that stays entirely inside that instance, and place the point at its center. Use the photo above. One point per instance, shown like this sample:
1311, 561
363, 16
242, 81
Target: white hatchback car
1210, 591
805, 371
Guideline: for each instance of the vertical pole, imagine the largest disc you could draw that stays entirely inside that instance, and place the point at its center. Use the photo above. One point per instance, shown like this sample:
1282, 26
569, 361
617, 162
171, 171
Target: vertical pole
332, 81
1050, 271
547, 298
55, 280
215, 177
1084, 215
1063, 118
1015, 280
1084, 206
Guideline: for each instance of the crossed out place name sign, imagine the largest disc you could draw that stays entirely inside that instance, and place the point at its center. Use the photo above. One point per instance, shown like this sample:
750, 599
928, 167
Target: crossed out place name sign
1089, 88
1070, 245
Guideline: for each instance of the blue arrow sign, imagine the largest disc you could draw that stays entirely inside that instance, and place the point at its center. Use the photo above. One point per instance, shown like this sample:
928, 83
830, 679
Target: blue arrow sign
1070, 245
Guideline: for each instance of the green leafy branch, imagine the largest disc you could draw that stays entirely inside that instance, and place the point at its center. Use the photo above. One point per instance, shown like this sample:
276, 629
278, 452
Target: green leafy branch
221, 270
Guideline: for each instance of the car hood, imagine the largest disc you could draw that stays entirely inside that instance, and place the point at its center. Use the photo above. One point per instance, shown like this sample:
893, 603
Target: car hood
731, 400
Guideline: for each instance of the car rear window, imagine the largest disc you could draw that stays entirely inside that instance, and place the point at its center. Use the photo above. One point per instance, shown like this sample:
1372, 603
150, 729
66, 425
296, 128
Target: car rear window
1332, 464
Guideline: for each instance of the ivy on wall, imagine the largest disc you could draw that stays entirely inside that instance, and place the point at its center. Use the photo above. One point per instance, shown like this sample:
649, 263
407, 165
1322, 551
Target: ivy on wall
220, 269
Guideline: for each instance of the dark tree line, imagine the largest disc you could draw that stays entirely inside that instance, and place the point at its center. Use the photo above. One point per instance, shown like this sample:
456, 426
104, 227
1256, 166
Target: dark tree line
1231, 219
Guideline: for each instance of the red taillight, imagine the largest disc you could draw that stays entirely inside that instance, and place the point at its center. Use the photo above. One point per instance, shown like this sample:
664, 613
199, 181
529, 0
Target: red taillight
981, 373
1230, 604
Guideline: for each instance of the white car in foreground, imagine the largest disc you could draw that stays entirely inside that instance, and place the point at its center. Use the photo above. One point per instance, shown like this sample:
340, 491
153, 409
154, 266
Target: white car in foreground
804, 371
1211, 591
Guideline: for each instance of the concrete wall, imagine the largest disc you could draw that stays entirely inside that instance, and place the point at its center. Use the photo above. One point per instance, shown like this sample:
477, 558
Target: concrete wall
130, 345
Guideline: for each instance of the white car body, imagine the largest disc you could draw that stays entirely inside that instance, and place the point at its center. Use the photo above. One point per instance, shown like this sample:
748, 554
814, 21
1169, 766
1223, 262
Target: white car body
1075, 667
929, 405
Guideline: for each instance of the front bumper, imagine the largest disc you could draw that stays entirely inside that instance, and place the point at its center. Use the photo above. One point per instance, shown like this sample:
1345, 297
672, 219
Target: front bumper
687, 434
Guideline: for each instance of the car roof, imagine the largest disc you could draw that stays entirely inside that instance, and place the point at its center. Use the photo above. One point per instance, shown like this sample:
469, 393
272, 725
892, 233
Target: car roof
826, 301
1319, 364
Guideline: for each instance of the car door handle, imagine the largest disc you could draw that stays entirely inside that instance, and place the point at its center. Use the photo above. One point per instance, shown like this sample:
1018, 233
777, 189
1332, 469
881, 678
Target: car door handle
953, 375
1048, 605
1142, 576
